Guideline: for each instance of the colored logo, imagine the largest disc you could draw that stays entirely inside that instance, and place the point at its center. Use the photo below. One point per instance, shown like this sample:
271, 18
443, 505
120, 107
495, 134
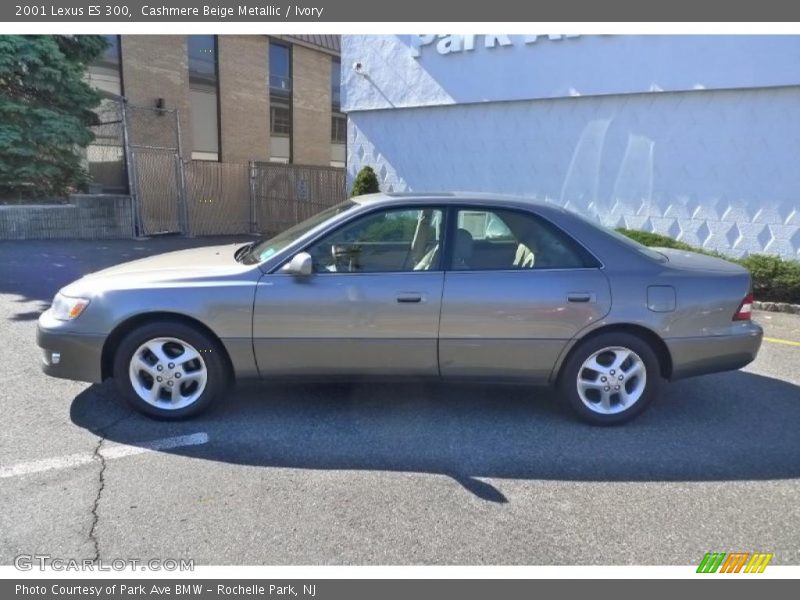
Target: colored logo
736, 562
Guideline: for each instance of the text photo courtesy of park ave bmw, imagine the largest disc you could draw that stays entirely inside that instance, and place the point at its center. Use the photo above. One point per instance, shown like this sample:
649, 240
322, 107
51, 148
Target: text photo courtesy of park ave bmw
339, 310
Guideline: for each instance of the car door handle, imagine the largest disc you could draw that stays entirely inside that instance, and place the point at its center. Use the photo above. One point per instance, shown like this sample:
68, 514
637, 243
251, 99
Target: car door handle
409, 298
580, 297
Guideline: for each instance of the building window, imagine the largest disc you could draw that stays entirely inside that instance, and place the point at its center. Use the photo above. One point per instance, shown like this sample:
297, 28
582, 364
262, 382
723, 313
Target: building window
105, 73
280, 102
204, 97
105, 156
336, 85
280, 119
338, 119
280, 68
339, 129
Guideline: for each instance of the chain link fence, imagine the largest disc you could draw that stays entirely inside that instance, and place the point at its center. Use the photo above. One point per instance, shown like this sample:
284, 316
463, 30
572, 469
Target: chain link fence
195, 197
218, 197
282, 195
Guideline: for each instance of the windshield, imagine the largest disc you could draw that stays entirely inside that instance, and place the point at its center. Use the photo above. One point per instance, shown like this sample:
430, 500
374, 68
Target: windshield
262, 250
648, 252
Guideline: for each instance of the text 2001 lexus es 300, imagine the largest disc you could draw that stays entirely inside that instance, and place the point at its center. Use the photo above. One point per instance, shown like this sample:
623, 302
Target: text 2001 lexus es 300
422, 285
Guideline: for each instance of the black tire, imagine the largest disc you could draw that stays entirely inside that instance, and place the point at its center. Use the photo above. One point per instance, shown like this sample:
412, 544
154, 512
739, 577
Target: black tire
568, 379
217, 374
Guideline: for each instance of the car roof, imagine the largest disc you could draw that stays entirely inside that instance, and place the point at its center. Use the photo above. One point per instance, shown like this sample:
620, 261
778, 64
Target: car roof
450, 198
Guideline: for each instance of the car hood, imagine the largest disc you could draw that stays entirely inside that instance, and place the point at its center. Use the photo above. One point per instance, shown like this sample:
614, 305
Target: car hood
195, 264
694, 261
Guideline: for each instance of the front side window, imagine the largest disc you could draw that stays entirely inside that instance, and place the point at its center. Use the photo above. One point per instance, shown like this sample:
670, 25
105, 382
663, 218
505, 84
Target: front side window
510, 239
264, 249
395, 240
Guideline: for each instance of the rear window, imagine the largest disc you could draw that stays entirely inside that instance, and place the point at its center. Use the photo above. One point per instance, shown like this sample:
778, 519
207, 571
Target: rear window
633, 244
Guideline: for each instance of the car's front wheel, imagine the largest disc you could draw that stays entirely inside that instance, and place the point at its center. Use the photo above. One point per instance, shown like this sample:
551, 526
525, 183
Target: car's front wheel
611, 378
169, 370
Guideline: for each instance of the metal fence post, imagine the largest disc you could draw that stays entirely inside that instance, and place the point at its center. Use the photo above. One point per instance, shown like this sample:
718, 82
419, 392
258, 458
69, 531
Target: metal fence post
253, 199
126, 148
182, 199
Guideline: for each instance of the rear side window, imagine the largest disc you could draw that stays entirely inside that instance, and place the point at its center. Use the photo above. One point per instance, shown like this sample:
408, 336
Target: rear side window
489, 240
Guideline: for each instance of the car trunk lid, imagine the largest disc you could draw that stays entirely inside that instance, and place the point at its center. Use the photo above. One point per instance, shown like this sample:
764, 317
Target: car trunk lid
694, 261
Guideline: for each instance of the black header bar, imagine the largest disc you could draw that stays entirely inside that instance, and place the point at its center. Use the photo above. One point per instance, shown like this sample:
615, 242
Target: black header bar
332, 11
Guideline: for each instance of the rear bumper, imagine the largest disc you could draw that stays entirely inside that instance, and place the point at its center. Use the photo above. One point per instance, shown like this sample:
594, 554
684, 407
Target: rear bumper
712, 354
71, 355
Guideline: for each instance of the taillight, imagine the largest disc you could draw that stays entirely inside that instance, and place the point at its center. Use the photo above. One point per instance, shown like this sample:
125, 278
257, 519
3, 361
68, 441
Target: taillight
745, 311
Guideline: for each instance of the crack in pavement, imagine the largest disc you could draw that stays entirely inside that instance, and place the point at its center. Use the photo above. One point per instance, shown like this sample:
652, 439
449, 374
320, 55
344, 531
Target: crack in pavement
101, 484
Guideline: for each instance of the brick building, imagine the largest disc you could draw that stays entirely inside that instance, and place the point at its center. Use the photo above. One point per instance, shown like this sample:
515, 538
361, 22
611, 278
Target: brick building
239, 97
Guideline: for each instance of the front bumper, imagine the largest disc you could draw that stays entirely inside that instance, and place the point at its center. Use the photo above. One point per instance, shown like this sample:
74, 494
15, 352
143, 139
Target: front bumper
712, 354
69, 355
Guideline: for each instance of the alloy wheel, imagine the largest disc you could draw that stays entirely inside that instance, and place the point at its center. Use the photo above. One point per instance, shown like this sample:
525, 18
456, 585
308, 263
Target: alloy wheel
611, 380
168, 373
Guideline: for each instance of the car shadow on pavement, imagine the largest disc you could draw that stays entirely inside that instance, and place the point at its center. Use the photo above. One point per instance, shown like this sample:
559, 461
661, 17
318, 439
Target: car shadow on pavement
733, 426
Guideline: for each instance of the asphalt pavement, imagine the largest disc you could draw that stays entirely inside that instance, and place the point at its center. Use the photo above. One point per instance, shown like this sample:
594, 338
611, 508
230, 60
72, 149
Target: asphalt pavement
413, 473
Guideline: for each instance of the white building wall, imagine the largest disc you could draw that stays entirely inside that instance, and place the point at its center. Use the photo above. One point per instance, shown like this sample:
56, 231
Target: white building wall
711, 166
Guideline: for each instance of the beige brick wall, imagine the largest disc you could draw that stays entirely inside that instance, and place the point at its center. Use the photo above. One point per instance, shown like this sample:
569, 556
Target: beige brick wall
156, 66
311, 95
244, 97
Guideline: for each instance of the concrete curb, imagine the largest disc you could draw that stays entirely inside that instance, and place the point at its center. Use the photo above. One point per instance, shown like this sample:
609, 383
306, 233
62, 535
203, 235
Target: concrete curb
783, 307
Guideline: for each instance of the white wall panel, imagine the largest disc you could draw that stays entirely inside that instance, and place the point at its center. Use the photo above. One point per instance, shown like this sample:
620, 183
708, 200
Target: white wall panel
395, 74
717, 168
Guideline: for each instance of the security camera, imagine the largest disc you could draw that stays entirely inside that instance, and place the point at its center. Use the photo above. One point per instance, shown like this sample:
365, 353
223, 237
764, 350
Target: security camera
358, 67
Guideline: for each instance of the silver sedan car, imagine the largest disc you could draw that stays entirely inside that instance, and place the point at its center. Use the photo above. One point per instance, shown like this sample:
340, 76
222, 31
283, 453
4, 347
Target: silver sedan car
416, 285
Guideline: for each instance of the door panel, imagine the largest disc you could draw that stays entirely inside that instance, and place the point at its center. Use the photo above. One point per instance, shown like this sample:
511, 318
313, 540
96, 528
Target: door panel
515, 323
348, 323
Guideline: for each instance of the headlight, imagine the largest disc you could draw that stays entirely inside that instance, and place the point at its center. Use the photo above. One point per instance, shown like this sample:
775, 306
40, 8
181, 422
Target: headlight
65, 308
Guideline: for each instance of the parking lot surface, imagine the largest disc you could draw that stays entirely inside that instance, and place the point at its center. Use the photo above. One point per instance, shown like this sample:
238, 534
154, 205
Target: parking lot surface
413, 473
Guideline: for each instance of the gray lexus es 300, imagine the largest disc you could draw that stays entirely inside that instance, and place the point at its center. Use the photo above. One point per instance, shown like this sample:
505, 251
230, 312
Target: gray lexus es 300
441, 285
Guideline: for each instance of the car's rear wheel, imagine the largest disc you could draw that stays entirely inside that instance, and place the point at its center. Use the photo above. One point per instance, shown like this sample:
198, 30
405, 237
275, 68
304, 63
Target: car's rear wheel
611, 378
169, 370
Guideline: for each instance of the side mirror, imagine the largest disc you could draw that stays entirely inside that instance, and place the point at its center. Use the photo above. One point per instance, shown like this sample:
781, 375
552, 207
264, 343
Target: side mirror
301, 264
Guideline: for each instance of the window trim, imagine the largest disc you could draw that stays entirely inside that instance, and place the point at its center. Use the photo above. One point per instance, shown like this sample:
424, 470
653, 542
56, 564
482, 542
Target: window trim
452, 225
445, 210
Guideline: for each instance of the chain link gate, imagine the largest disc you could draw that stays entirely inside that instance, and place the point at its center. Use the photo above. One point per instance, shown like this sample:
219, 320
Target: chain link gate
155, 168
